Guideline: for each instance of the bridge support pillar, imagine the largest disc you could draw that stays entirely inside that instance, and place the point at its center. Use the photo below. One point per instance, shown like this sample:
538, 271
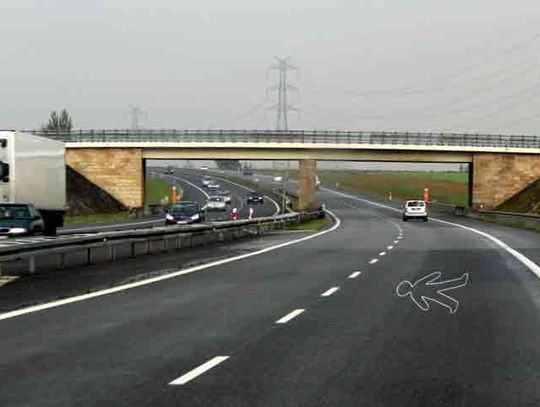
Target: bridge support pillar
307, 173
497, 177
118, 171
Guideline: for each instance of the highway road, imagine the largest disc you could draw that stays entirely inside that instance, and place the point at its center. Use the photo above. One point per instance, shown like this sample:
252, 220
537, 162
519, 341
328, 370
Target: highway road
341, 318
191, 181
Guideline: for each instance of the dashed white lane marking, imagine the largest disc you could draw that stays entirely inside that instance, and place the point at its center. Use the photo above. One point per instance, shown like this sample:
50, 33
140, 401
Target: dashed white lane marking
399, 237
355, 274
396, 241
289, 316
389, 247
373, 261
382, 253
198, 370
107, 291
531, 265
329, 292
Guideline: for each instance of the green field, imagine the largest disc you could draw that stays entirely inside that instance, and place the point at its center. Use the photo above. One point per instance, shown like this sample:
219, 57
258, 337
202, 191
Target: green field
445, 187
158, 188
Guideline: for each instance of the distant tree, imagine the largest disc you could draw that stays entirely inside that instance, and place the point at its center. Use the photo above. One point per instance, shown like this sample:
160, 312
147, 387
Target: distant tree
60, 122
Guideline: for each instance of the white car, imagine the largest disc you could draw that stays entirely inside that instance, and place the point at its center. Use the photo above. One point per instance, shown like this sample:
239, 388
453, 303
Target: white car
415, 210
216, 203
206, 180
226, 195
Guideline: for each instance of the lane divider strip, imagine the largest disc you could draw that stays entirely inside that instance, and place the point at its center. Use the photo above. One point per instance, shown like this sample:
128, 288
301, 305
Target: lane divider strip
289, 316
192, 374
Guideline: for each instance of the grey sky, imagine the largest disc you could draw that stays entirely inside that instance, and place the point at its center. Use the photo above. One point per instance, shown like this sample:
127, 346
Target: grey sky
375, 64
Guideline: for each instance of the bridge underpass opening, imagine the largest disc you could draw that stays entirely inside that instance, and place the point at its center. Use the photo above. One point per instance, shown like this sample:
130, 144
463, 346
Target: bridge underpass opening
447, 182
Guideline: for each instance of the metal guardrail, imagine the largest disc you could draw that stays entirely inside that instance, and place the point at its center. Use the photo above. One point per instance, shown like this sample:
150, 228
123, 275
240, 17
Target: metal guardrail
294, 136
521, 220
180, 236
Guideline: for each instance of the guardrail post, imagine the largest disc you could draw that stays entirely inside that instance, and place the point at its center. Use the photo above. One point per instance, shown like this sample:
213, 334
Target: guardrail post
32, 265
0, 269
61, 261
147, 247
112, 253
178, 242
132, 250
89, 256
165, 243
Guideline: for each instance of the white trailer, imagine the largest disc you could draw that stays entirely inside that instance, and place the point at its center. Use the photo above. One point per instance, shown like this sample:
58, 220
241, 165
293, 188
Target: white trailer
33, 171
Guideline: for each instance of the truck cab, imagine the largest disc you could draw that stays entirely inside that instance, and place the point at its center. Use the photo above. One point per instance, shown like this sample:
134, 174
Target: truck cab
20, 219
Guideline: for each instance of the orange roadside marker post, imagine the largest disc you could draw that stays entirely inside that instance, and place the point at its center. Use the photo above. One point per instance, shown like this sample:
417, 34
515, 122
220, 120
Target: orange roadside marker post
173, 194
426, 194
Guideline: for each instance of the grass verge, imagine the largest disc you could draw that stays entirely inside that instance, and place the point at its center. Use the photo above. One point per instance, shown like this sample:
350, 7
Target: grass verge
445, 187
311, 225
95, 218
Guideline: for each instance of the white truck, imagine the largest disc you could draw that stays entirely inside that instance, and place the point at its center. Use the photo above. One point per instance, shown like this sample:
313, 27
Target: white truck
32, 184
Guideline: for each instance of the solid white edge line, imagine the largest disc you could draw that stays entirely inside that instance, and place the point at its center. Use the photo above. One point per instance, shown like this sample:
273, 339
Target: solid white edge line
192, 374
355, 274
372, 261
289, 316
329, 292
531, 265
95, 294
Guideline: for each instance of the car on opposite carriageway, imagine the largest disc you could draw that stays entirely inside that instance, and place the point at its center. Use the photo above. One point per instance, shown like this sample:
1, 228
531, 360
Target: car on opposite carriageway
255, 198
18, 219
226, 195
184, 212
215, 203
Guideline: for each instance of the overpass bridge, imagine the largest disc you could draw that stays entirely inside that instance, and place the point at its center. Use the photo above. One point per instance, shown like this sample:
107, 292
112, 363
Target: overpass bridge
500, 166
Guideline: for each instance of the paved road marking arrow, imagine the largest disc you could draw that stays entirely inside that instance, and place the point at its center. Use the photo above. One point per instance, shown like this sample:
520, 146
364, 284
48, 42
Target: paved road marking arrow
430, 288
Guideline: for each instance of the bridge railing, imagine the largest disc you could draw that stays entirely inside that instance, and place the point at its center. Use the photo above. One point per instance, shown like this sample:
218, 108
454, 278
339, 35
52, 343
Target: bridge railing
293, 136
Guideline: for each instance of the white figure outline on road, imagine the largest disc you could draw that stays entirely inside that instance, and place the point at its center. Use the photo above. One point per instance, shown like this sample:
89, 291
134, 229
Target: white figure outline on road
435, 288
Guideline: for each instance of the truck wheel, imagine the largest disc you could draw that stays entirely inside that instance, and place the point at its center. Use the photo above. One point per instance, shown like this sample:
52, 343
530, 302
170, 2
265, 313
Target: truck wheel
50, 230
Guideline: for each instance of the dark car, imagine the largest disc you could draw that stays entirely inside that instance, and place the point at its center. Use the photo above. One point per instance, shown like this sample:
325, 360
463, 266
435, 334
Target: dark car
255, 198
20, 219
184, 212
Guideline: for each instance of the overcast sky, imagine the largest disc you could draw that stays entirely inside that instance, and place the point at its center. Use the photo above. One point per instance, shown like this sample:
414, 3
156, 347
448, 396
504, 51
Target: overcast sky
452, 65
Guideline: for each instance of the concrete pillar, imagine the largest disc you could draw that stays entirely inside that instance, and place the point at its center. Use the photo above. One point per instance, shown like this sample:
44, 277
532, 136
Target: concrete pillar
307, 173
498, 177
118, 171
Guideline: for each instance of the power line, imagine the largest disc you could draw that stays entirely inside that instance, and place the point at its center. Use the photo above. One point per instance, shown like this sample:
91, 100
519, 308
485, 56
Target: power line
136, 114
282, 107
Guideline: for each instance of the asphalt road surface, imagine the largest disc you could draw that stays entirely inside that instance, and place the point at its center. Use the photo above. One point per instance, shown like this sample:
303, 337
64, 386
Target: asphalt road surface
335, 320
191, 181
